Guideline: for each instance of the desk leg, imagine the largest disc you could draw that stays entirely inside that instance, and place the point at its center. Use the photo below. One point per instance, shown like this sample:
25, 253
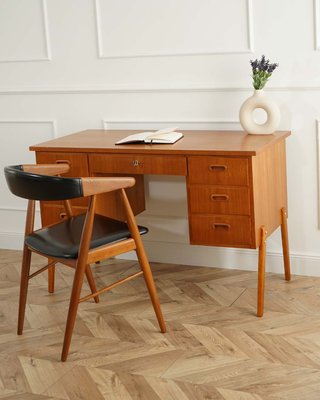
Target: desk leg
261, 271
285, 244
51, 275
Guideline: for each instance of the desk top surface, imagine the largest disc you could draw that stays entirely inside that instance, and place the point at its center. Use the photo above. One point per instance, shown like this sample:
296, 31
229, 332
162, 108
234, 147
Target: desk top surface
195, 142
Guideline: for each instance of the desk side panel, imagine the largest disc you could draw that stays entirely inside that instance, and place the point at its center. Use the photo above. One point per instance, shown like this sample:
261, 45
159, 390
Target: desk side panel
269, 188
111, 205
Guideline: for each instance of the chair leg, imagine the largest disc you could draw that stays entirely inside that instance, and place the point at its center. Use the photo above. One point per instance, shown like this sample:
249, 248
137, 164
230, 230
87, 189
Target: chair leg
78, 276
51, 277
145, 266
261, 272
285, 244
143, 260
24, 282
73, 308
91, 282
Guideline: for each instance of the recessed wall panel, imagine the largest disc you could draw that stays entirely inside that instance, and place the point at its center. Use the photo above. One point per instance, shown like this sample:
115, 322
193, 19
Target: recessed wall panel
167, 27
16, 137
23, 30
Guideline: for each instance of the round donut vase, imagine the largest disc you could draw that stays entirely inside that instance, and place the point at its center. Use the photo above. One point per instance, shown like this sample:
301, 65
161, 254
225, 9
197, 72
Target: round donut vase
259, 100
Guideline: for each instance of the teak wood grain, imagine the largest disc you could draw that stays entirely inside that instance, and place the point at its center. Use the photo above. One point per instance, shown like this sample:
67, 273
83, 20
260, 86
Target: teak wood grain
219, 200
194, 142
138, 164
222, 230
218, 170
236, 183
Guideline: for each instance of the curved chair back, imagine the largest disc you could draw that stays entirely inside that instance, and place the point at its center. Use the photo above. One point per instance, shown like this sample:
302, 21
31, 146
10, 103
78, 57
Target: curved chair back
41, 187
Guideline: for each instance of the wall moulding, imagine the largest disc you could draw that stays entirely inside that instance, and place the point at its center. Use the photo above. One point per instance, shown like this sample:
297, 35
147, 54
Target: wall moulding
316, 11
248, 49
201, 88
194, 124
45, 28
52, 122
318, 168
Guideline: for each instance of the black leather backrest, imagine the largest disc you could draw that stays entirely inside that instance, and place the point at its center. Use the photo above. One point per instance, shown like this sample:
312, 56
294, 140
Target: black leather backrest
41, 187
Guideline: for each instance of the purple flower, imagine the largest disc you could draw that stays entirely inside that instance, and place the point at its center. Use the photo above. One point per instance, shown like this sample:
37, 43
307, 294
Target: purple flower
261, 71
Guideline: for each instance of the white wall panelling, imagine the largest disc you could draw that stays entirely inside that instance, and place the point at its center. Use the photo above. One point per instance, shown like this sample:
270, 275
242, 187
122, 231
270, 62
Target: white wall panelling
167, 28
111, 70
187, 87
182, 124
16, 134
24, 31
316, 6
318, 168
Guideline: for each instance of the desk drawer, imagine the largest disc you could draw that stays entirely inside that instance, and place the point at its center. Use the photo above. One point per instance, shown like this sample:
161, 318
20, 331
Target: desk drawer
219, 200
219, 170
78, 162
220, 230
51, 213
78, 167
137, 164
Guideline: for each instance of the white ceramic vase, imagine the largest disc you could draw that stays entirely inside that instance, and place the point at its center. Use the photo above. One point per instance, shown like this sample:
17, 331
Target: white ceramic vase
259, 100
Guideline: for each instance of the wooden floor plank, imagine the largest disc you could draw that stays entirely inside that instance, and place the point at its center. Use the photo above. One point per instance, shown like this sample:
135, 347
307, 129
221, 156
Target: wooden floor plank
215, 347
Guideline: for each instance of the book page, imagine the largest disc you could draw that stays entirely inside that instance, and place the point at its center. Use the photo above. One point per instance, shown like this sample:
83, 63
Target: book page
163, 138
166, 135
137, 137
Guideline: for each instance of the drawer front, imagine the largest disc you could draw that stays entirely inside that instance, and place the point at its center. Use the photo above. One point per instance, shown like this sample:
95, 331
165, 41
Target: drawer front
78, 166
51, 213
221, 230
78, 162
213, 170
137, 164
219, 200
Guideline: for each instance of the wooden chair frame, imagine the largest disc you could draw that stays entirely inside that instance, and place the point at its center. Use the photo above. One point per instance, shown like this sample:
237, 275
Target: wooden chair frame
91, 187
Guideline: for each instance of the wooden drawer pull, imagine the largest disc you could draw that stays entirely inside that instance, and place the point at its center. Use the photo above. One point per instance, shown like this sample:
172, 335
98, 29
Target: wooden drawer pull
63, 215
221, 226
219, 197
63, 162
136, 163
217, 167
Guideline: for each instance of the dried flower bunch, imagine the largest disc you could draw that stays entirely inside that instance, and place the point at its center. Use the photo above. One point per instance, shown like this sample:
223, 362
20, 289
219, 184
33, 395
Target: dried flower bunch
261, 72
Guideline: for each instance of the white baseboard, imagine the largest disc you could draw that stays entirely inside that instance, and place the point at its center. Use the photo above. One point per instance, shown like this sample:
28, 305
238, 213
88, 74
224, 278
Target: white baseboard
11, 240
206, 256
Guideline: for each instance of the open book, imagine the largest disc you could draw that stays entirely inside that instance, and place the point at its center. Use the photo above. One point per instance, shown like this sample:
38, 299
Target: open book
162, 136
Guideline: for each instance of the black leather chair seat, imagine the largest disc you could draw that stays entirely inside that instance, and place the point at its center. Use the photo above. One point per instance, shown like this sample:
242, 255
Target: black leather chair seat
62, 240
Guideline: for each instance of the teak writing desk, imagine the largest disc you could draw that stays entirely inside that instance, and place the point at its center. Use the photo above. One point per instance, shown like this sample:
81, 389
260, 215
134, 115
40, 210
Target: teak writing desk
236, 183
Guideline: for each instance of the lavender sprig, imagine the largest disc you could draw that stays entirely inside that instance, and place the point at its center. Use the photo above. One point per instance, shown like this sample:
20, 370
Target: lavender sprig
261, 72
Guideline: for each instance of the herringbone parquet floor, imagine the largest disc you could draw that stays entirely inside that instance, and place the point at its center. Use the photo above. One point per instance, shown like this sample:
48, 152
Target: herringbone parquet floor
215, 348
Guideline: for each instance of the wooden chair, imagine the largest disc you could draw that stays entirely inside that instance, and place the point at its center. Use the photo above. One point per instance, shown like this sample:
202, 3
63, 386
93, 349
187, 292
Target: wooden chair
79, 240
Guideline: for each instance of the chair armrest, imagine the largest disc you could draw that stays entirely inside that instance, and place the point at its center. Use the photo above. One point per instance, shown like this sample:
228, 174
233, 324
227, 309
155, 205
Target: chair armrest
46, 169
96, 185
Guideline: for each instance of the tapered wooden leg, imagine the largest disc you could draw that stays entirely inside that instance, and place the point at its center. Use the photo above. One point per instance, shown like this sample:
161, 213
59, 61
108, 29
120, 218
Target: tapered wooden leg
261, 272
144, 263
91, 282
51, 277
73, 308
285, 244
145, 266
78, 277
24, 282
